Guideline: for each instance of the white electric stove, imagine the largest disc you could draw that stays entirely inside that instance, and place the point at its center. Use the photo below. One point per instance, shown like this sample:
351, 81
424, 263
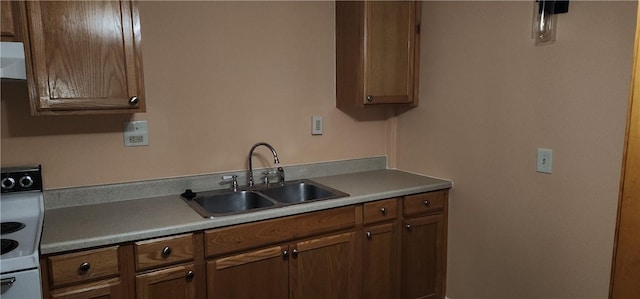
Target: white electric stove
21, 217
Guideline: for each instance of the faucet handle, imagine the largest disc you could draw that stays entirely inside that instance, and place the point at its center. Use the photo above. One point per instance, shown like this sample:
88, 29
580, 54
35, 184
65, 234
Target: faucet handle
234, 181
265, 176
280, 172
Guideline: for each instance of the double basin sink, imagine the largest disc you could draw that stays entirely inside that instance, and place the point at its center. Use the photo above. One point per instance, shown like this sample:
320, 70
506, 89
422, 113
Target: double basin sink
218, 203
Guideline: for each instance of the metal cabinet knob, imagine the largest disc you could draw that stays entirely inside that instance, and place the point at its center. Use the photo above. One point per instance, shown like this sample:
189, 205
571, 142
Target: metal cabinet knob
408, 227
427, 203
133, 101
369, 235
285, 253
383, 211
166, 251
190, 274
369, 98
84, 267
295, 252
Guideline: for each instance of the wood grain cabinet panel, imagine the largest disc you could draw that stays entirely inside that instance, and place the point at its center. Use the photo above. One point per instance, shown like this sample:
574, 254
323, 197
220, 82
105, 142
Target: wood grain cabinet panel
83, 266
423, 257
265, 270
85, 57
109, 289
380, 261
12, 17
381, 210
425, 203
377, 53
176, 283
262, 233
164, 251
325, 267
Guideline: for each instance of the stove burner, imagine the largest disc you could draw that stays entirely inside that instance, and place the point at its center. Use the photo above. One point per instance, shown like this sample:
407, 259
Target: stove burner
10, 227
8, 245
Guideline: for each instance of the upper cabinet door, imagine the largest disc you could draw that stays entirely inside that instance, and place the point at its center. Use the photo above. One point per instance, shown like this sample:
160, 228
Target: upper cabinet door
85, 57
11, 16
389, 40
377, 54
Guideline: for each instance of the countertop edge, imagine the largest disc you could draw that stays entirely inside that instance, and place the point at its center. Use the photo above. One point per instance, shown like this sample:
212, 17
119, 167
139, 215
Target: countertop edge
204, 223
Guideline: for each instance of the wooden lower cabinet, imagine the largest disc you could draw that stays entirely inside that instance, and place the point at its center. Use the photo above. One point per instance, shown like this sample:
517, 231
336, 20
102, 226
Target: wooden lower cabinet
176, 283
392, 248
325, 267
380, 261
261, 273
423, 257
108, 289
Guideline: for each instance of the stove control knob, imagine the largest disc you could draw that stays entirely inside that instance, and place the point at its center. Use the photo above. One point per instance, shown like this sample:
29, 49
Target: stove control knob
8, 183
26, 181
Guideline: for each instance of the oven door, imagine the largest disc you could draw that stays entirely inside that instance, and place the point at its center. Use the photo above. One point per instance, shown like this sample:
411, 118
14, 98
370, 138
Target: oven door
21, 285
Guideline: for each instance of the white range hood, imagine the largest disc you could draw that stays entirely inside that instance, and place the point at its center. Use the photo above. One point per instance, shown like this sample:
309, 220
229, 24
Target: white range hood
12, 64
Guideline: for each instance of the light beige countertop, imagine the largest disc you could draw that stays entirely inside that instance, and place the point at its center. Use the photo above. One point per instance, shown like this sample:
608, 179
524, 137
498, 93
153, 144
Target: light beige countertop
86, 226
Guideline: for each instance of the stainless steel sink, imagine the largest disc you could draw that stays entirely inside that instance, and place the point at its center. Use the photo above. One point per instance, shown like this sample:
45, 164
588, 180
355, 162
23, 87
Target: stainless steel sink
211, 204
218, 203
301, 191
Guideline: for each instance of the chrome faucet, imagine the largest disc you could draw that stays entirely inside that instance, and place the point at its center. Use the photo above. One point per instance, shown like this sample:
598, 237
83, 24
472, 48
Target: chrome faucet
275, 160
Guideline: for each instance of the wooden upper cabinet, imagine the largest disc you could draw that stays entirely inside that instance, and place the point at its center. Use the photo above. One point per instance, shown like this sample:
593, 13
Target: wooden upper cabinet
85, 57
12, 15
377, 53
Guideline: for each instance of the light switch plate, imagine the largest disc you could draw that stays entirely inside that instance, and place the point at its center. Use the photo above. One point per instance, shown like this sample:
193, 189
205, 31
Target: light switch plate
316, 125
544, 160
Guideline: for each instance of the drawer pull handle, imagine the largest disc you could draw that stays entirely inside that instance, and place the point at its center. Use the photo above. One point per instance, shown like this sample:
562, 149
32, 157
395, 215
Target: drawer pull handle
427, 203
8, 281
369, 236
166, 251
190, 275
84, 267
383, 211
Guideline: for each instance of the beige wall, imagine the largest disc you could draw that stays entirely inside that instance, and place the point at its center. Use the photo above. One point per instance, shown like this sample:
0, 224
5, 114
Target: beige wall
219, 76
489, 99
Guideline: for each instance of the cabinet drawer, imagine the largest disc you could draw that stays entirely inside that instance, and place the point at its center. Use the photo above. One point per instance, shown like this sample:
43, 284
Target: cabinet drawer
380, 210
83, 266
425, 202
163, 251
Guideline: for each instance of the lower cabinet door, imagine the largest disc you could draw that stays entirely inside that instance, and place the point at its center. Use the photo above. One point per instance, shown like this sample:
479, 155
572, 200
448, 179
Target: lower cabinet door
380, 264
325, 267
260, 273
423, 257
175, 282
106, 289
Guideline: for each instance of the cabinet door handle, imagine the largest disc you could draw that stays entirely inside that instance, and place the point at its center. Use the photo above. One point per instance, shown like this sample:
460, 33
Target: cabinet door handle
369, 235
166, 251
383, 211
369, 98
84, 267
295, 252
427, 203
408, 227
190, 274
285, 253
133, 101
